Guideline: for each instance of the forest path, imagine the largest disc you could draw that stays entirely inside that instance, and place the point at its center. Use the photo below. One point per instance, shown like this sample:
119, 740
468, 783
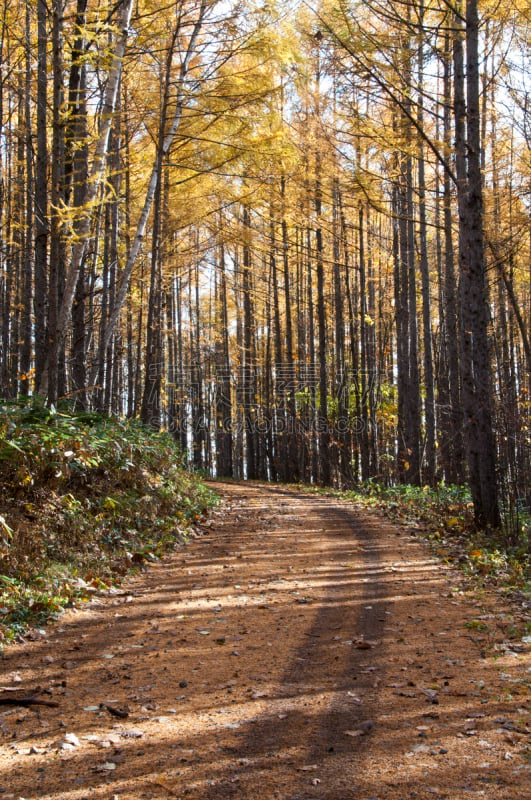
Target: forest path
301, 648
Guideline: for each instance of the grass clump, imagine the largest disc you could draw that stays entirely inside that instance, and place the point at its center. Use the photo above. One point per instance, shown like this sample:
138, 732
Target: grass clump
84, 499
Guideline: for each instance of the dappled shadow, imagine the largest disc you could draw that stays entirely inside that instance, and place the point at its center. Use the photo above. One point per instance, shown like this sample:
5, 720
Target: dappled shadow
290, 629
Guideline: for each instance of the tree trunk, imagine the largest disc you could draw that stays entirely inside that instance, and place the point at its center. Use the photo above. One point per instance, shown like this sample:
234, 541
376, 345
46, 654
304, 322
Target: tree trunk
76, 176
164, 145
474, 339
223, 378
27, 249
83, 222
41, 200
453, 440
429, 384
322, 416
56, 354
248, 360
341, 382
151, 410
291, 417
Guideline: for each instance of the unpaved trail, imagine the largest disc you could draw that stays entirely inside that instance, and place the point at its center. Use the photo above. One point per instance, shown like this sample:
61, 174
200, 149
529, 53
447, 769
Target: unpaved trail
299, 649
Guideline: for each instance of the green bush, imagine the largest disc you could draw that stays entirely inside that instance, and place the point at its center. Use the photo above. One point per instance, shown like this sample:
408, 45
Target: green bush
85, 497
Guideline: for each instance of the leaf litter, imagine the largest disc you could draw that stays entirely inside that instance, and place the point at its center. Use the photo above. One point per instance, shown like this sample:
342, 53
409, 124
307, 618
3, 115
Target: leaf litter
433, 702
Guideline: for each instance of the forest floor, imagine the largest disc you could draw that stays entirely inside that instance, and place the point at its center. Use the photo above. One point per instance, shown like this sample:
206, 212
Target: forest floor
300, 648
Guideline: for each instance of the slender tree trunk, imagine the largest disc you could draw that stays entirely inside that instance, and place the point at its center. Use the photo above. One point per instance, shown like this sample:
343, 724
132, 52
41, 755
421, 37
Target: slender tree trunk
429, 383
25, 189
41, 199
474, 339
239, 443
279, 454
353, 452
343, 455
311, 372
151, 410
151, 402
165, 146
83, 222
75, 179
401, 318
322, 417
181, 413
223, 378
455, 458
291, 417
249, 361
111, 355
56, 352
413, 395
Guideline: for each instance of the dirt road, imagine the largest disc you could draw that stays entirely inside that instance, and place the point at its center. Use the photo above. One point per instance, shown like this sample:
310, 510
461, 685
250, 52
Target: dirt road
299, 649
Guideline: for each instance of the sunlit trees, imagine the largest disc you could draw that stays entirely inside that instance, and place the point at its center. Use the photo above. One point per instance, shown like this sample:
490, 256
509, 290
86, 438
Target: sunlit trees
299, 239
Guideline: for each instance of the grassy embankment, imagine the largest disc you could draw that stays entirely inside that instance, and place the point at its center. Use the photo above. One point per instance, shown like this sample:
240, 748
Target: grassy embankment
83, 500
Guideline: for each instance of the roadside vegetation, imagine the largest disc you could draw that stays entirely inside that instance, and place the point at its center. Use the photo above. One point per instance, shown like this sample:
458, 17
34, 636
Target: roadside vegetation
84, 499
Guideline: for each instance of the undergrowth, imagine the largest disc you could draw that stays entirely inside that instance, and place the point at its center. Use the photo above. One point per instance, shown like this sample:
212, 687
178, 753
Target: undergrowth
85, 498
444, 516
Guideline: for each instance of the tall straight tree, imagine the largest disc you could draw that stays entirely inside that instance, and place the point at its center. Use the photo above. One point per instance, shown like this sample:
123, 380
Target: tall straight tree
429, 403
322, 415
76, 173
41, 198
474, 336
151, 401
84, 219
163, 149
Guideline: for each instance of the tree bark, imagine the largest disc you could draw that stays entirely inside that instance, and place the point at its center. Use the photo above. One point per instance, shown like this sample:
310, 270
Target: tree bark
83, 222
41, 200
164, 145
474, 338
224, 462
429, 384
